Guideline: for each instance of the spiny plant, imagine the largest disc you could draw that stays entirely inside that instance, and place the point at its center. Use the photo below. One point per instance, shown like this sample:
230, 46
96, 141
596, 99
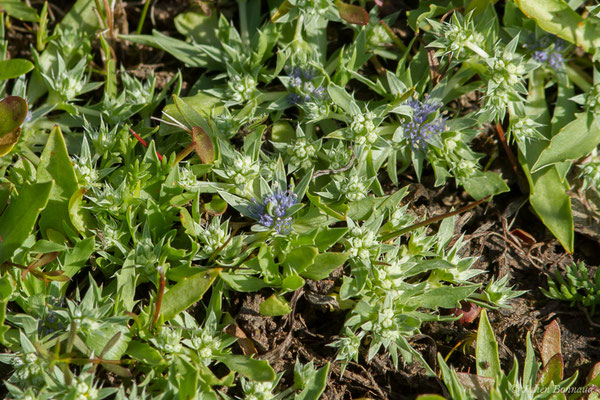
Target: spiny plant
491, 382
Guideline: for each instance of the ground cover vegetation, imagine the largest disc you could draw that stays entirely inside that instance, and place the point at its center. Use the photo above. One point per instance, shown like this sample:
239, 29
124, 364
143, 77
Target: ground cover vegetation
299, 199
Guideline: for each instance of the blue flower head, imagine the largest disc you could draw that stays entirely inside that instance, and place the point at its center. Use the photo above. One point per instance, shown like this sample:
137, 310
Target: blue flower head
544, 52
271, 211
418, 130
304, 89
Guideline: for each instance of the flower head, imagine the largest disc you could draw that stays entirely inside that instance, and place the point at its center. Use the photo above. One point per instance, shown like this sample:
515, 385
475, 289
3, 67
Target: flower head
271, 211
418, 130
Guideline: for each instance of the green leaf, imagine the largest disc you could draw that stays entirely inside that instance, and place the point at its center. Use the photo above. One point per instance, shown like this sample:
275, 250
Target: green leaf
81, 218
484, 184
573, 141
328, 237
530, 368
6, 289
324, 265
486, 352
339, 212
190, 115
190, 54
292, 282
98, 340
552, 204
258, 370
20, 10
275, 306
299, 258
14, 68
243, 283
552, 371
76, 258
430, 397
316, 386
185, 293
217, 206
340, 97
143, 352
5, 190
557, 18
198, 26
55, 165
445, 297
17, 222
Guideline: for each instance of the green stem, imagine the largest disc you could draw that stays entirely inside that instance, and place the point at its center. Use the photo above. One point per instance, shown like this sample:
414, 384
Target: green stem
143, 17
244, 20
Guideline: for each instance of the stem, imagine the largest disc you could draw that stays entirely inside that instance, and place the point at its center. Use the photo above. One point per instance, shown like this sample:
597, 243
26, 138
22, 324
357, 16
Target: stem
298, 32
159, 298
399, 43
143, 16
431, 220
244, 20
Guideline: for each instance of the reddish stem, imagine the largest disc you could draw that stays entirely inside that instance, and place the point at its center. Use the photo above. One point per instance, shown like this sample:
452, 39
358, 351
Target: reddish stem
144, 143
511, 157
161, 292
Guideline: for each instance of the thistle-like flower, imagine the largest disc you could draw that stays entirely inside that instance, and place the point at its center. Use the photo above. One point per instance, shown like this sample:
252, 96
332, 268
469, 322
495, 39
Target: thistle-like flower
419, 130
271, 211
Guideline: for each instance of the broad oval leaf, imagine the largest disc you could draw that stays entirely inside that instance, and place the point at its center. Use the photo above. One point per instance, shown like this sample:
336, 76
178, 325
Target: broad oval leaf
551, 342
352, 14
203, 145
14, 68
275, 306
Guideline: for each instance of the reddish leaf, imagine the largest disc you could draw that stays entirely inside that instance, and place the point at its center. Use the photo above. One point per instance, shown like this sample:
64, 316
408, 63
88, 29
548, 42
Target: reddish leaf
552, 372
525, 238
378, 2
13, 110
469, 313
203, 145
551, 342
246, 344
352, 14
594, 375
